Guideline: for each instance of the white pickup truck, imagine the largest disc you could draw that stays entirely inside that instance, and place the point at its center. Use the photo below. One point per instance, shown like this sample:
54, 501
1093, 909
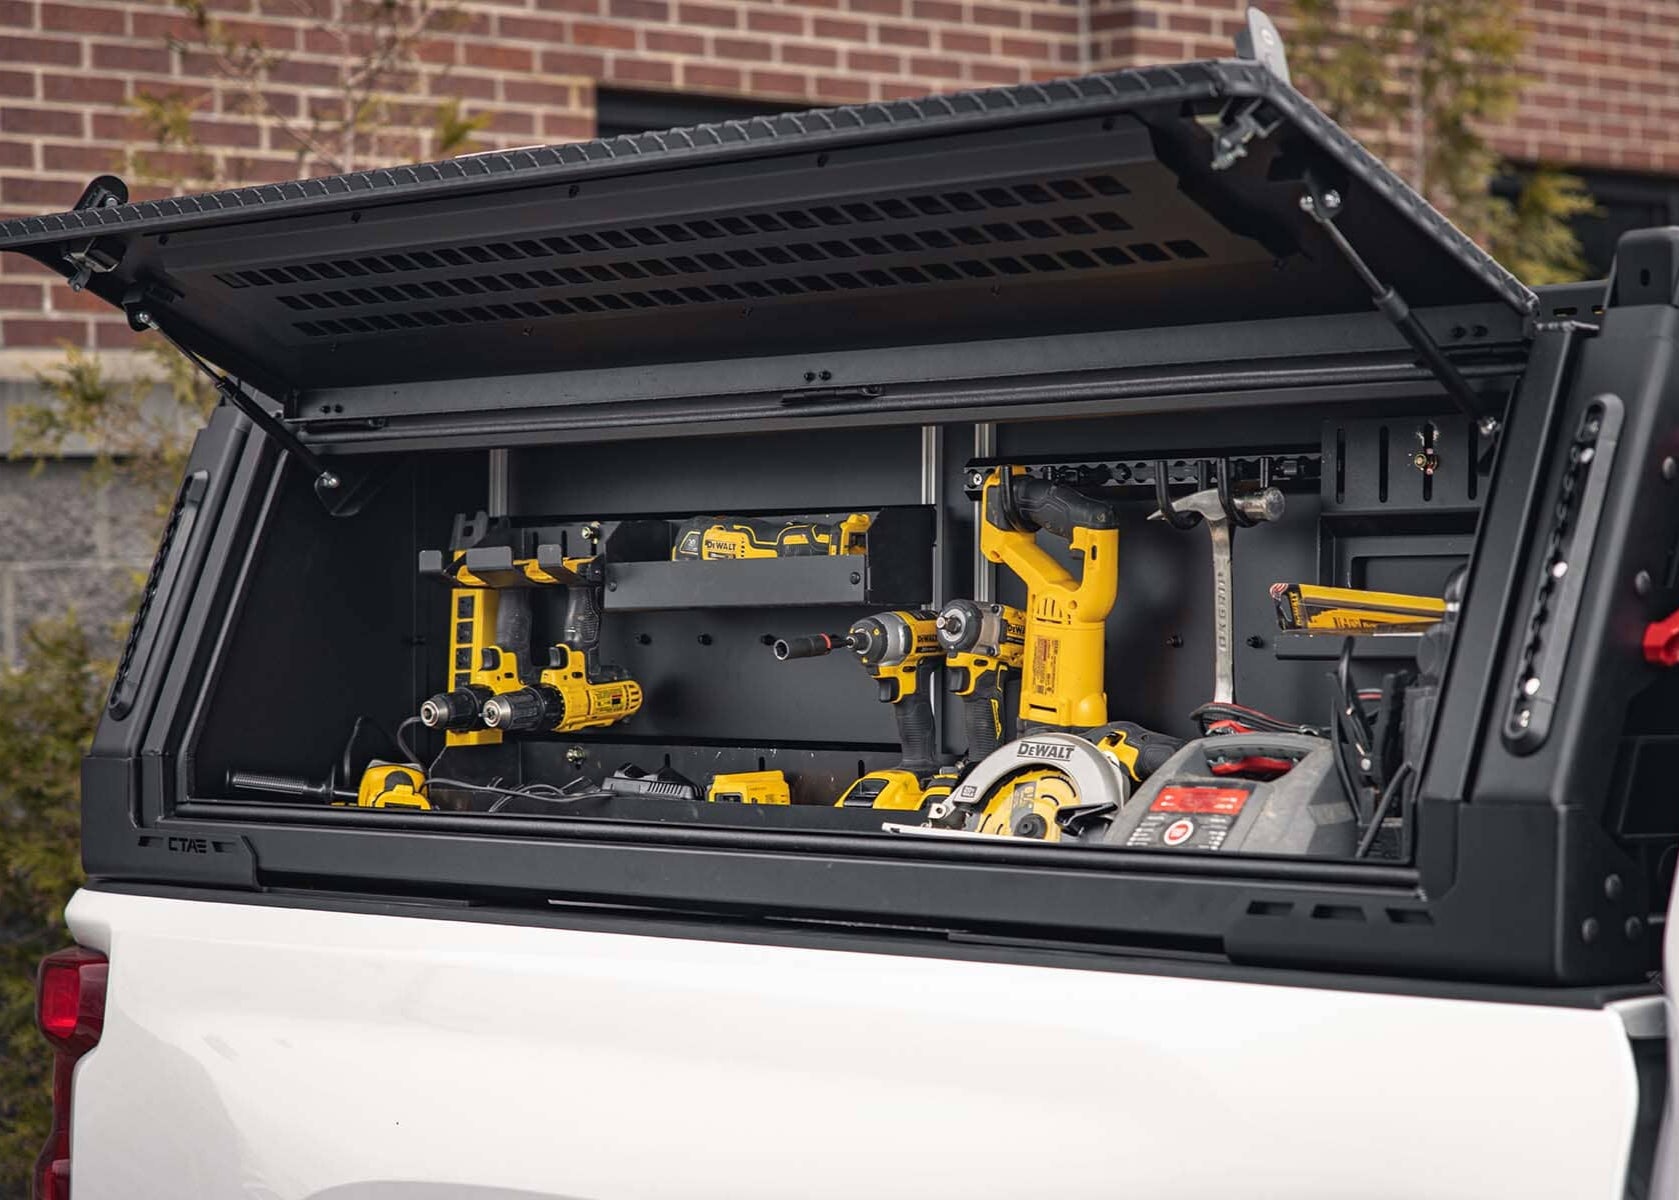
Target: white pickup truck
344, 942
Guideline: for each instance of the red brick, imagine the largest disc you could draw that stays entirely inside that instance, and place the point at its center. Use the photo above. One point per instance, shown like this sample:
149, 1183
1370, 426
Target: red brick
884, 8
713, 79
40, 332
741, 49
780, 83
664, 41
41, 51
89, 89
873, 64
17, 154
583, 8
81, 18
60, 122
710, 15
761, 21
936, 10
116, 335
17, 83
904, 35
957, 42
20, 14
81, 158
567, 127
531, 29
638, 70
810, 56
562, 62
612, 37
845, 31
497, 57
639, 10
539, 92
29, 297
944, 68
838, 89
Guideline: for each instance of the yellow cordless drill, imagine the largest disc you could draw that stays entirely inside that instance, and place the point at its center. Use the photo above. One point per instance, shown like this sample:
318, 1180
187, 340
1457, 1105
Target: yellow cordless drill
901, 650
491, 660
713, 538
983, 645
1065, 618
576, 690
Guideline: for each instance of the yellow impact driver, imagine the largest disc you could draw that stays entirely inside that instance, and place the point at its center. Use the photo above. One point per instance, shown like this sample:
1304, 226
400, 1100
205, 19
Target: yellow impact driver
1065, 618
901, 650
984, 644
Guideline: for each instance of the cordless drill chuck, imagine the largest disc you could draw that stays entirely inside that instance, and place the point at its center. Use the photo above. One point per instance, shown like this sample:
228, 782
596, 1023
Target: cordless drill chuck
456, 710
528, 709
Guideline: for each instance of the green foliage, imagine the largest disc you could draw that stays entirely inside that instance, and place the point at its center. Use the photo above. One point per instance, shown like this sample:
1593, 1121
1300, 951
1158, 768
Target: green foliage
1421, 86
137, 431
368, 114
50, 706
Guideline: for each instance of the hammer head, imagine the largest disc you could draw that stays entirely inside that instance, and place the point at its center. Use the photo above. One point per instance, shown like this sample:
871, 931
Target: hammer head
1263, 505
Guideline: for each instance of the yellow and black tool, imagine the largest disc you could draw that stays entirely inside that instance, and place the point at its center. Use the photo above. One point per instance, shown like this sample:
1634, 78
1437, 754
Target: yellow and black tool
382, 785
489, 639
1137, 751
750, 787
1317, 609
717, 538
901, 650
1061, 685
497, 687
984, 645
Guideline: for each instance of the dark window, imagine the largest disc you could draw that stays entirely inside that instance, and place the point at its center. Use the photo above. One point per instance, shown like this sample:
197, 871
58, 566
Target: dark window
1625, 202
619, 111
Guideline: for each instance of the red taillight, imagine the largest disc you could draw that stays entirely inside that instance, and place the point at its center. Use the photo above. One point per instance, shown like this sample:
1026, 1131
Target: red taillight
70, 1008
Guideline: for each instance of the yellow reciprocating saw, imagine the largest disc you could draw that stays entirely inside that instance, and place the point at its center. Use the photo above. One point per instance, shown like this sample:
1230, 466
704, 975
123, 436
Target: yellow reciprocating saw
1066, 618
714, 538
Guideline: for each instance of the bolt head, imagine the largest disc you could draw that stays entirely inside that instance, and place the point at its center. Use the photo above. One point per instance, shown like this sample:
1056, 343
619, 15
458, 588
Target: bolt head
1332, 200
1307, 203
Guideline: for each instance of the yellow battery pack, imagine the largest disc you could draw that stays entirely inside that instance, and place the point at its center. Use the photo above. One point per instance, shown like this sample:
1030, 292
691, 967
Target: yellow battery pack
750, 787
1312, 608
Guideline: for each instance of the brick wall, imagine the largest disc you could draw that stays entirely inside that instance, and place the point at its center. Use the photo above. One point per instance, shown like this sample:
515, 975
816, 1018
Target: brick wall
1605, 90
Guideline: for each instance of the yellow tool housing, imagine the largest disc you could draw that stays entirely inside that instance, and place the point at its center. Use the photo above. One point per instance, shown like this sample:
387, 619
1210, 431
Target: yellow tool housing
1065, 617
750, 787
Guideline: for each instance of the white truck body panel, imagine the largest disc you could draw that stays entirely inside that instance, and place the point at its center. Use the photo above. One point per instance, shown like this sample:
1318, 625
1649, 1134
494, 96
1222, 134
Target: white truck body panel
299, 1054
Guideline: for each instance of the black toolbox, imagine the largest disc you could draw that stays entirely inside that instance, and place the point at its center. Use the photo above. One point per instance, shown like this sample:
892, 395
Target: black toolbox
1114, 282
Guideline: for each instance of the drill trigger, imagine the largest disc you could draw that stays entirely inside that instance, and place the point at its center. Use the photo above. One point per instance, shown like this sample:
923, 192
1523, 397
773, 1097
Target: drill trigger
887, 690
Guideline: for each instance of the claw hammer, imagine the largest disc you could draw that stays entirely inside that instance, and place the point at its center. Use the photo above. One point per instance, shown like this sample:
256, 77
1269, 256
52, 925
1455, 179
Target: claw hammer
1250, 508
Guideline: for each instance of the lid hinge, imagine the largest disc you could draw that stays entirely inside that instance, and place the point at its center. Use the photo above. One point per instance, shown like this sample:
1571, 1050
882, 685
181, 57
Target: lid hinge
97, 255
1239, 123
1323, 205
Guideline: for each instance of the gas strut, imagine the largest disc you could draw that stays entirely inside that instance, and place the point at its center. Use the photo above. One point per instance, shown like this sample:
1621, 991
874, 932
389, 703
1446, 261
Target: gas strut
1323, 206
327, 481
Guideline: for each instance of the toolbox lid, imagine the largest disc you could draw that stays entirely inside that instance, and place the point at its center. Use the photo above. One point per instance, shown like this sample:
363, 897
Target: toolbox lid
1078, 205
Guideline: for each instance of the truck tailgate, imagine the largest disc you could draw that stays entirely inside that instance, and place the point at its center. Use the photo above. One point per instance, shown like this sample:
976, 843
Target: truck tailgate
291, 1053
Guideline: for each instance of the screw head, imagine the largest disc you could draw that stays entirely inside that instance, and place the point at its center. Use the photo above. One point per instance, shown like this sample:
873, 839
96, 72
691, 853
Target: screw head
1589, 929
1307, 203
1641, 583
1175, 641
1612, 887
576, 755
1670, 469
1634, 929
1332, 200
1257, 642
856, 577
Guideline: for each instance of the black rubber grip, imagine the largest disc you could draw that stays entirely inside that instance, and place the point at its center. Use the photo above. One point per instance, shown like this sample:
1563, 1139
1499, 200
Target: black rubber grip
278, 785
916, 732
809, 645
982, 715
1059, 509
